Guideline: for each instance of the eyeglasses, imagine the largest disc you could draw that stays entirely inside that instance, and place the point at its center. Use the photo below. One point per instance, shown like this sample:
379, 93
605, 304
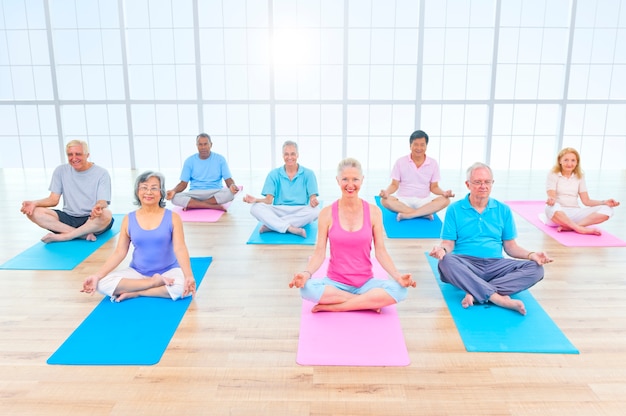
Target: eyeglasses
154, 189
480, 183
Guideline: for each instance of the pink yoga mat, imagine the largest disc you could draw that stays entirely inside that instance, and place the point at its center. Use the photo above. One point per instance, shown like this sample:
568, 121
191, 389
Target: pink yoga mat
532, 211
360, 338
199, 215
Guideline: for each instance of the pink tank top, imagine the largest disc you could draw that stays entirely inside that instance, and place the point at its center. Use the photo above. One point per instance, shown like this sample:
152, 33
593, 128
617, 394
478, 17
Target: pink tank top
350, 260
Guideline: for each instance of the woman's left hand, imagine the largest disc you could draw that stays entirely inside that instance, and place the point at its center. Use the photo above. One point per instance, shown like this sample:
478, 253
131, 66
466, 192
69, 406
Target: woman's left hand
190, 286
405, 280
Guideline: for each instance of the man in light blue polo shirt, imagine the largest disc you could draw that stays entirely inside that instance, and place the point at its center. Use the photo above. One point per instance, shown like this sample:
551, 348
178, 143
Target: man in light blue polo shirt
290, 196
205, 171
475, 231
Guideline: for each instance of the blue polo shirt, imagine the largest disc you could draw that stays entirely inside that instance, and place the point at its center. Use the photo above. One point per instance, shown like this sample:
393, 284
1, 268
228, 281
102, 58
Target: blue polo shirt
476, 234
296, 191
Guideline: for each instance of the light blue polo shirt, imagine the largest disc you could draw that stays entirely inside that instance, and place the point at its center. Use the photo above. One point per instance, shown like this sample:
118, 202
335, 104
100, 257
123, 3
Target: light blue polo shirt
296, 191
475, 234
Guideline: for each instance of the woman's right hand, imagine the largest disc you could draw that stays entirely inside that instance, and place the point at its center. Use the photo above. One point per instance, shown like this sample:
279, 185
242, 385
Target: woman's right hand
550, 201
299, 280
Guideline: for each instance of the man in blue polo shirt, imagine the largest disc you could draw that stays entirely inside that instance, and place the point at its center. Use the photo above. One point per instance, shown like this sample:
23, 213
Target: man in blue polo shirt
205, 171
290, 196
475, 231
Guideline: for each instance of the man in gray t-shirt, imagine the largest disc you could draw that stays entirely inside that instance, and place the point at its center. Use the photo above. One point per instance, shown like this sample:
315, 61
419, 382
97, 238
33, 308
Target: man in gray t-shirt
86, 190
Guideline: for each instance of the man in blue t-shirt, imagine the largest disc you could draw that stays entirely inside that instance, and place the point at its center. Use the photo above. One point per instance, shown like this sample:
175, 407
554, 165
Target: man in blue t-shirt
205, 171
86, 190
290, 196
475, 231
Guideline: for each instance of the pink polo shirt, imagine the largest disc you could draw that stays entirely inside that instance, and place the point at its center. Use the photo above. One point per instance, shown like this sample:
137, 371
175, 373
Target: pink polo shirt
415, 182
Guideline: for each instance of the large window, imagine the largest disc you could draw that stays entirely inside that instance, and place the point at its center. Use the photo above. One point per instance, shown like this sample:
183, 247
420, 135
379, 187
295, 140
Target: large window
507, 82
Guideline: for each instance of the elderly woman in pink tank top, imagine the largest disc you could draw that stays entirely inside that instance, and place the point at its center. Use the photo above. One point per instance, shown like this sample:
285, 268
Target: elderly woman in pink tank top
351, 225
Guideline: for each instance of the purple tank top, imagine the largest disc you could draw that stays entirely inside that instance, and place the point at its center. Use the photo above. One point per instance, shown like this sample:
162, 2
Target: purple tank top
154, 251
350, 252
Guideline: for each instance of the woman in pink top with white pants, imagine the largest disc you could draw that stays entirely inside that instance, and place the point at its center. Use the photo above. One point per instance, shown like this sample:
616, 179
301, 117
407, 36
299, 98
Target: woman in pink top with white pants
351, 225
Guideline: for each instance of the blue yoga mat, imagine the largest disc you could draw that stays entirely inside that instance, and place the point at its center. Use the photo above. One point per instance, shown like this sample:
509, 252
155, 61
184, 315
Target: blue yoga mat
63, 255
133, 332
286, 238
413, 228
490, 328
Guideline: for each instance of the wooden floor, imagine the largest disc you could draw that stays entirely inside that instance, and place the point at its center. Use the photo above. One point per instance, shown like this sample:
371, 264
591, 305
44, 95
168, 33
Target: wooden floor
234, 352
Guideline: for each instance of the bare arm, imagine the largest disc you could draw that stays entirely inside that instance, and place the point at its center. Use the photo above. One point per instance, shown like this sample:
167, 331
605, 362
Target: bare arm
182, 255
319, 253
445, 247
392, 188
230, 183
435, 189
182, 185
121, 250
380, 251
584, 198
514, 250
51, 200
268, 199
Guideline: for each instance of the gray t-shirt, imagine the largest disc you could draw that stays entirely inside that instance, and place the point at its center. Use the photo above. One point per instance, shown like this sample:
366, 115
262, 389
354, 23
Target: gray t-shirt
81, 190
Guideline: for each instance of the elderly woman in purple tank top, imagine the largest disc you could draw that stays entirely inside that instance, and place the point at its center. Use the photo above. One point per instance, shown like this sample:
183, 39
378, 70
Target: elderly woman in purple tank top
351, 225
160, 265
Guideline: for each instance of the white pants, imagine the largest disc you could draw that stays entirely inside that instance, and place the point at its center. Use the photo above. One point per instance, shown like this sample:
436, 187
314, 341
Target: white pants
575, 214
279, 217
108, 283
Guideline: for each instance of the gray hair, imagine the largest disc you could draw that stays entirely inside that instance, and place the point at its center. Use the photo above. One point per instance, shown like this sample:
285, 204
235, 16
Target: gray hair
143, 178
290, 143
81, 143
478, 165
349, 162
203, 135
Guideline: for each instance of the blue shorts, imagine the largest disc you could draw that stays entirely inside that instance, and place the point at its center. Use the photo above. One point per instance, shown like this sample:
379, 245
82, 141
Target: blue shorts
314, 288
76, 222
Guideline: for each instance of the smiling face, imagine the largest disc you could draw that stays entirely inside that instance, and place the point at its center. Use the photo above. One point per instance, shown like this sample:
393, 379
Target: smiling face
290, 155
418, 148
480, 183
149, 192
350, 180
568, 163
77, 158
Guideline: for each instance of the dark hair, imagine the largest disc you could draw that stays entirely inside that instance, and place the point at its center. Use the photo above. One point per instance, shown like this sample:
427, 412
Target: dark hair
143, 178
418, 134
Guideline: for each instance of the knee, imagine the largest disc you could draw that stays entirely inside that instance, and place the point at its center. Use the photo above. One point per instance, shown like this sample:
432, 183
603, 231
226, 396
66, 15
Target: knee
312, 291
179, 200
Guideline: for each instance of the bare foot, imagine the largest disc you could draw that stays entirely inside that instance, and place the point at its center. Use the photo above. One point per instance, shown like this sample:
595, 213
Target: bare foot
91, 237
264, 229
399, 217
53, 237
160, 280
335, 307
467, 301
297, 231
508, 303
124, 296
429, 217
580, 230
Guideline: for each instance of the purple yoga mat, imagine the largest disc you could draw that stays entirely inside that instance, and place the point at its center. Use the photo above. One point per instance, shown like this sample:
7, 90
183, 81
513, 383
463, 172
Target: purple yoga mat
532, 212
359, 338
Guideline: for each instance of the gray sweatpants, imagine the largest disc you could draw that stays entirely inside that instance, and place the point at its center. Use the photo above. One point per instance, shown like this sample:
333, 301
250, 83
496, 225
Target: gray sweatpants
482, 277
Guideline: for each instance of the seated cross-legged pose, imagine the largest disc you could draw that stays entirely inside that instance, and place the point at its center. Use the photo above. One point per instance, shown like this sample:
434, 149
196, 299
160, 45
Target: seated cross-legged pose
290, 196
160, 265
351, 224
86, 191
565, 183
475, 231
416, 178
204, 173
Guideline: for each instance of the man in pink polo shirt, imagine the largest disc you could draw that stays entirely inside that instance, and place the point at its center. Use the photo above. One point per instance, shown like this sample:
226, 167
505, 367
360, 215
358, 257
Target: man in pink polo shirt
416, 178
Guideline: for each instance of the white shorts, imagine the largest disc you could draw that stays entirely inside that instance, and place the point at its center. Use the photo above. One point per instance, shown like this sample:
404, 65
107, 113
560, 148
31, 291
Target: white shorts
415, 202
108, 283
